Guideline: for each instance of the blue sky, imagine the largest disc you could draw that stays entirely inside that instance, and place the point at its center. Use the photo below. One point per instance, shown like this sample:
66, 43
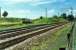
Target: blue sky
35, 8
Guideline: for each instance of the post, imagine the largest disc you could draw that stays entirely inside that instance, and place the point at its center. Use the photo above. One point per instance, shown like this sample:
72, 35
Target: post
46, 14
62, 48
0, 11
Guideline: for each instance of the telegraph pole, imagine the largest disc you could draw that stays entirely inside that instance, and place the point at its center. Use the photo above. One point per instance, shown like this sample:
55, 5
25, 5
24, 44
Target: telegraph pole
41, 12
58, 14
46, 14
0, 11
71, 10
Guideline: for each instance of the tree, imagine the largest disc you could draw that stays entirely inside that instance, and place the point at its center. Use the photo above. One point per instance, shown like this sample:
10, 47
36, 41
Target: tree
41, 17
64, 15
70, 17
5, 14
55, 16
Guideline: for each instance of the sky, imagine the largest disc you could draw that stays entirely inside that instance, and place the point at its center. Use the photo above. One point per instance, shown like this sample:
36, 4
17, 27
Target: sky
35, 8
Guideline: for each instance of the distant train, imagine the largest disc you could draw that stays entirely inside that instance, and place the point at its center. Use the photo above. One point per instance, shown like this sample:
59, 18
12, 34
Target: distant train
26, 21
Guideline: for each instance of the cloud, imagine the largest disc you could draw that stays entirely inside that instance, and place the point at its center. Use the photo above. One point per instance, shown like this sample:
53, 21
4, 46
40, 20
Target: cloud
46, 2
15, 1
74, 12
33, 2
51, 12
18, 1
40, 3
15, 8
18, 13
69, 12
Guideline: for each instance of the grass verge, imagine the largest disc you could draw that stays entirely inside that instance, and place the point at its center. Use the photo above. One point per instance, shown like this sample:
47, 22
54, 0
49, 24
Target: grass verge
55, 41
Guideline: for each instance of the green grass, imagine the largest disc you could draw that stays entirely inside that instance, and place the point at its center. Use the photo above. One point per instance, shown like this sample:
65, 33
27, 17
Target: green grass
50, 41
48, 20
55, 41
4, 27
8, 23
60, 39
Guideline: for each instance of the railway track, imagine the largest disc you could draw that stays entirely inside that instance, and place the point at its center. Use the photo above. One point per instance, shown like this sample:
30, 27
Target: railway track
20, 32
19, 29
10, 41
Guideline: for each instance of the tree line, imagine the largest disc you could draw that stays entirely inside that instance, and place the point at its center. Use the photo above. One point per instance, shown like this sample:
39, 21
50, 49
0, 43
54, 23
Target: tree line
69, 17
